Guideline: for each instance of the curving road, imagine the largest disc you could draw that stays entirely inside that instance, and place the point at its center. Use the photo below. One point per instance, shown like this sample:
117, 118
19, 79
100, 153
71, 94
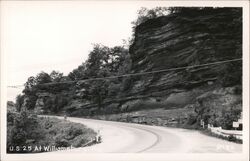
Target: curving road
121, 137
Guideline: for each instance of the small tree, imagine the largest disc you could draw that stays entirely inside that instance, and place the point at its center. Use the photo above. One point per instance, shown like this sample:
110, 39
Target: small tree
56, 76
29, 85
19, 102
145, 14
78, 73
42, 78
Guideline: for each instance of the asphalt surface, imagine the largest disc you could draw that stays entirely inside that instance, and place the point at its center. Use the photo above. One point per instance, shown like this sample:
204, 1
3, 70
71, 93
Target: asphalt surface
118, 137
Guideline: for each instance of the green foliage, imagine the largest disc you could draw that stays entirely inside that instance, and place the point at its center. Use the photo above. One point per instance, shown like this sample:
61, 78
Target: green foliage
64, 134
145, 14
32, 82
55, 104
30, 102
78, 73
36, 84
232, 138
22, 127
187, 10
98, 91
126, 83
192, 119
73, 132
61, 142
219, 109
29, 86
103, 62
56, 76
26, 129
43, 77
228, 117
11, 106
19, 102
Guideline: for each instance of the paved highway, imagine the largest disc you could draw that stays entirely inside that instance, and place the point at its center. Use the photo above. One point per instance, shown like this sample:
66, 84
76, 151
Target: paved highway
118, 137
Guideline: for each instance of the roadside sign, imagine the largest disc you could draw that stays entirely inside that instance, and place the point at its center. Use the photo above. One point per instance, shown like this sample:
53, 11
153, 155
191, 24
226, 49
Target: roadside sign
236, 124
202, 122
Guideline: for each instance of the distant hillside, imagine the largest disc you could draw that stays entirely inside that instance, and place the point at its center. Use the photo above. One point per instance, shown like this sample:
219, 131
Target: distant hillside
185, 37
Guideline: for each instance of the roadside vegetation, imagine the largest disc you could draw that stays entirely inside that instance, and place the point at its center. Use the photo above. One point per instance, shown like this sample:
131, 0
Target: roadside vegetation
27, 133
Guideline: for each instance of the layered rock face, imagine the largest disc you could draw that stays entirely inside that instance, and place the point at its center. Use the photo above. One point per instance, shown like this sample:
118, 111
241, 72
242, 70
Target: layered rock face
190, 38
184, 39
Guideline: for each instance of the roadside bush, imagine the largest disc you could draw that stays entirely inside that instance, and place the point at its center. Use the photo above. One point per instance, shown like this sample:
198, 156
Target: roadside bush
19, 102
22, 127
72, 132
232, 138
47, 124
192, 119
79, 141
10, 118
18, 136
30, 101
61, 142
25, 129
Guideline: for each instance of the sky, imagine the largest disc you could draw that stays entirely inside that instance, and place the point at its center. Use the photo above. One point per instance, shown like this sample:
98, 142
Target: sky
58, 35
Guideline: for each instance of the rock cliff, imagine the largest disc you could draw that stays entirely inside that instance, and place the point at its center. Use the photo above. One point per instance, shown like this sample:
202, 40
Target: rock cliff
187, 39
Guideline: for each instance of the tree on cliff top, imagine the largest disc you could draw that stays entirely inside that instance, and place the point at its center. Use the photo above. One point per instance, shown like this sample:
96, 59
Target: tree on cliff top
145, 14
42, 78
56, 76
30, 89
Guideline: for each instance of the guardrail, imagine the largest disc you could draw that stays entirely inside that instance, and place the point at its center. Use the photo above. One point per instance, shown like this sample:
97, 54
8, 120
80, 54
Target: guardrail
226, 133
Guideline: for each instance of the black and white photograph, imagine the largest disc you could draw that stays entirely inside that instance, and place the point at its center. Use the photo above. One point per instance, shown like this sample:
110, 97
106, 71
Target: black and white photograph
124, 80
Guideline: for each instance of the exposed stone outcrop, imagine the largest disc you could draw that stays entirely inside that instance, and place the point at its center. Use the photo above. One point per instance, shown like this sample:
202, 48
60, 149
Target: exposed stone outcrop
185, 39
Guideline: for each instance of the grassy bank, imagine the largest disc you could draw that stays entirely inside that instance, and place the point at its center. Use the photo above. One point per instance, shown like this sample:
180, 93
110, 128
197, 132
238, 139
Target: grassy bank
28, 133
